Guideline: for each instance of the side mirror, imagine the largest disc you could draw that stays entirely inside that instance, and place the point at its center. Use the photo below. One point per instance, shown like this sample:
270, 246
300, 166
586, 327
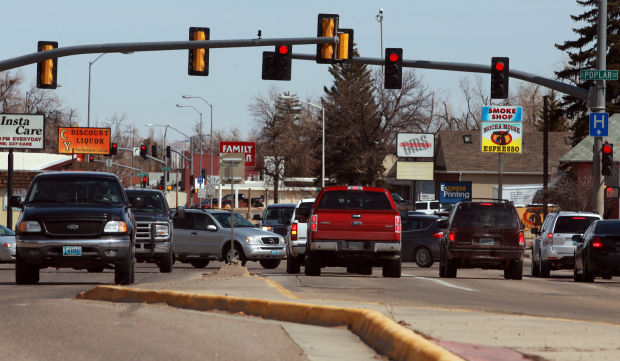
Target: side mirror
180, 212
15, 201
535, 231
577, 238
211, 228
442, 223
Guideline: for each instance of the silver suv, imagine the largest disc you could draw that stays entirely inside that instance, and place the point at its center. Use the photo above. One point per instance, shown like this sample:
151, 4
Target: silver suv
553, 247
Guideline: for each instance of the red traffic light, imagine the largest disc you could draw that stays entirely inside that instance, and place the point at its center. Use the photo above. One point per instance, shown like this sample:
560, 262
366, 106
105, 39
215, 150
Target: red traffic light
607, 149
91, 158
499, 66
393, 57
283, 49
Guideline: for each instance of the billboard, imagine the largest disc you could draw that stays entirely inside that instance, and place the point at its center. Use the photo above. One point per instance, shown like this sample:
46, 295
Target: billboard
414, 170
501, 129
24, 131
454, 192
247, 148
415, 145
84, 140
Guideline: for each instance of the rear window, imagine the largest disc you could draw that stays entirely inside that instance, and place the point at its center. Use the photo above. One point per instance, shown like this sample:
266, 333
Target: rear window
421, 205
492, 215
303, 211
573, 224
607, 227
352, 199
281, 214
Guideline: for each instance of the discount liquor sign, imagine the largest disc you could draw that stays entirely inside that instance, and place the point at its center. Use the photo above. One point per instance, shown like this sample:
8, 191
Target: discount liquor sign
84, 140
501, 129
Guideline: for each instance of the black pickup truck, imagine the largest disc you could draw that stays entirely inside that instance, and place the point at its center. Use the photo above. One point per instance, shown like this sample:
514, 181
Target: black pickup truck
153, 227
80, 220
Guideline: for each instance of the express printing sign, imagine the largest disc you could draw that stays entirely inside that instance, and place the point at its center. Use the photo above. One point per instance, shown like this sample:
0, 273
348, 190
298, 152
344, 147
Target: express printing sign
454, 192
415, 145
22, 131
501, 129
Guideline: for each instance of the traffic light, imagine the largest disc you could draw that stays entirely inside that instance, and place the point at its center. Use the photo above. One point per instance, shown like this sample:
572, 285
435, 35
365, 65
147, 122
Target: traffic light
47, 69
277, 64
607, 159
154, 150
91, 158
198, 59
113, 149
168, 152
327, 26
499, 77
145, 181
393, 68
143, 151
345, 45
161, 183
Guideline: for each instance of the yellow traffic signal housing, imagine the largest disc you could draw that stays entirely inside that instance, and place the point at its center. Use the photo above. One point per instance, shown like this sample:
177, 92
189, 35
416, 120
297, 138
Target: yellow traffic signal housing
345, 45
48, 68
198, 59
327, 26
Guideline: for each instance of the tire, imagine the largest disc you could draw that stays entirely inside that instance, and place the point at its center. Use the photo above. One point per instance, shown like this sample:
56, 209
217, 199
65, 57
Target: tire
392, 268
237, 252
442, 265
124, 272
312, 265
199, 263
450, 268
543, 270
588, 276
351, 269
98, 269
293, 264
535, 267
25, 274
423, 257
165, 262
269, 263
514, 270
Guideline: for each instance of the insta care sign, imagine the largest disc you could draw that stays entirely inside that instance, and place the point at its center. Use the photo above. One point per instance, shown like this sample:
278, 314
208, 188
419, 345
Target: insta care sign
26, 131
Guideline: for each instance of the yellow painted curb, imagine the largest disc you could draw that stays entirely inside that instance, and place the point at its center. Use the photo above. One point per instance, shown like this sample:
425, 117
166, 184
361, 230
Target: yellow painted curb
381, 333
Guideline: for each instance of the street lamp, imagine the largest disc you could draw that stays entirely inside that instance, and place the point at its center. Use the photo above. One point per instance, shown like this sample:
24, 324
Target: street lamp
90, 65
211, 134
199, 135
323, 135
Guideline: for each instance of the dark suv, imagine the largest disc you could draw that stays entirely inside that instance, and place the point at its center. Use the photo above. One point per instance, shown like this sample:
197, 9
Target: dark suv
75, 220
482, 234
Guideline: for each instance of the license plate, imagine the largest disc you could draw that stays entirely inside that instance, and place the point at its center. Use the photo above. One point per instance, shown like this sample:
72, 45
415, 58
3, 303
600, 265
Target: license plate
356, 245
275, 252
487, 241
71, 250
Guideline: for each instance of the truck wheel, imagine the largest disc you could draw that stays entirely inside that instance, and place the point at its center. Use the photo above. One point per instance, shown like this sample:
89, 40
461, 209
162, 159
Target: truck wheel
543, 270
124, 272
293, 265
269, 263
514, 270
237, 253
25, 274
312, 266
201, 263
391, 268
450, 268
423, 257
165, 263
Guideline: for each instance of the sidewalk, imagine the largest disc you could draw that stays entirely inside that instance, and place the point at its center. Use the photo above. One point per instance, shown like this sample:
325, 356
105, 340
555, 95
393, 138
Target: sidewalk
489, 337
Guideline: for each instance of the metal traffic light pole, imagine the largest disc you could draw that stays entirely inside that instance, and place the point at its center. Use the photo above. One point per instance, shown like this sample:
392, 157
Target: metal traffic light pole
598, 189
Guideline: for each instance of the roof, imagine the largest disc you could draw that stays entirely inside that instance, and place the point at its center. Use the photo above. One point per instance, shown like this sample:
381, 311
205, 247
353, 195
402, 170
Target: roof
454, 155
582, 152
80, 174
282, 205
33, 161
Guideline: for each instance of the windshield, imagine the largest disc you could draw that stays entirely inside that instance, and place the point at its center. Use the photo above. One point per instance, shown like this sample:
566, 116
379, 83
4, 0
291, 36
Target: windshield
6, 232
75, 190
281, 214
224, 220
147, 202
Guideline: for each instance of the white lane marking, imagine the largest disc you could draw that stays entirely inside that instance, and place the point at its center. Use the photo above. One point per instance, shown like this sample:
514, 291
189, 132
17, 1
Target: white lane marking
443, 283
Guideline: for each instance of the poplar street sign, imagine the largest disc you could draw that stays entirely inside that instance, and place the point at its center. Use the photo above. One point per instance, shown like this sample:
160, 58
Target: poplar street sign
598, 75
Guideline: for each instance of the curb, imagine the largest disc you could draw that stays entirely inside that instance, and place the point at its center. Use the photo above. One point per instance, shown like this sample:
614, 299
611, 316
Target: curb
383, 334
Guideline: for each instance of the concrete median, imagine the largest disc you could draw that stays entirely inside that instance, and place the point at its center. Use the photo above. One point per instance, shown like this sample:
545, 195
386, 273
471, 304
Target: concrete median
386, 336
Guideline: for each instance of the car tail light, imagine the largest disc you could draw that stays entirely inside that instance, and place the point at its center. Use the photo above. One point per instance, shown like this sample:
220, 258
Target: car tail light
579, 217
314, 222
486, 204
294, 231
452, 236
549, 238
438, 235
521, 239
597, 242
355, 188
397, 226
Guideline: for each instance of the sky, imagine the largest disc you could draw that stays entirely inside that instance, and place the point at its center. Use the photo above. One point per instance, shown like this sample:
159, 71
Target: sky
145, 87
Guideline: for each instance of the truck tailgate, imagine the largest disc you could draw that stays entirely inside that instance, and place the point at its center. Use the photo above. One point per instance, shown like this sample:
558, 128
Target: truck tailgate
358, 225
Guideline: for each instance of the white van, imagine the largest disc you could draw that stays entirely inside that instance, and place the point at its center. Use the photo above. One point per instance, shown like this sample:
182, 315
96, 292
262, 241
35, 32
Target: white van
297, 236
427, 207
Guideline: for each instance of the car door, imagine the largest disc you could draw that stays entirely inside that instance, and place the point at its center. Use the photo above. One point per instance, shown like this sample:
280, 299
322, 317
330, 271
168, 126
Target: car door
203, 242
183, 228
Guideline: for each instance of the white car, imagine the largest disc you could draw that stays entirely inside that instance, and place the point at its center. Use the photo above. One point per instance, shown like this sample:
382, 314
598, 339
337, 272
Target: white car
7, 245
297, 236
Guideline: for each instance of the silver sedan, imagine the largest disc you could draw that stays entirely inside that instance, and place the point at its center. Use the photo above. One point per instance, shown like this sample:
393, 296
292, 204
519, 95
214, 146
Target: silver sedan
204, 235
7, 245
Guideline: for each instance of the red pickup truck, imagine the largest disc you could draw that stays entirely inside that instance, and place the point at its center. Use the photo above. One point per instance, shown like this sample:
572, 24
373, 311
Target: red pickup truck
354, 227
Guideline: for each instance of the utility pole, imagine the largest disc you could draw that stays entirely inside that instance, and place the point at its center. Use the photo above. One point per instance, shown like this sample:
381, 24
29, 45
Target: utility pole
599, 106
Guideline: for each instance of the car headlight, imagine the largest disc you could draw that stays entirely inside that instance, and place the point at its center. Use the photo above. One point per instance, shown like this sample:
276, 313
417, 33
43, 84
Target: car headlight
161, 230
115, 227
267, 228
252, 239
29, 226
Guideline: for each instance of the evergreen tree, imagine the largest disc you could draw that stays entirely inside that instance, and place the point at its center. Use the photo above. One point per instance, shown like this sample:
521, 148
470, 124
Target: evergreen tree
582, 54
354, 153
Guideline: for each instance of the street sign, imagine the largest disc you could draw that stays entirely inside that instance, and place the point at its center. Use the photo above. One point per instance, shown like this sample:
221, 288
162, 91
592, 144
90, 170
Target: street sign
599, 124
108, 163
200, 179
165, 169
598, 74
141, 174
